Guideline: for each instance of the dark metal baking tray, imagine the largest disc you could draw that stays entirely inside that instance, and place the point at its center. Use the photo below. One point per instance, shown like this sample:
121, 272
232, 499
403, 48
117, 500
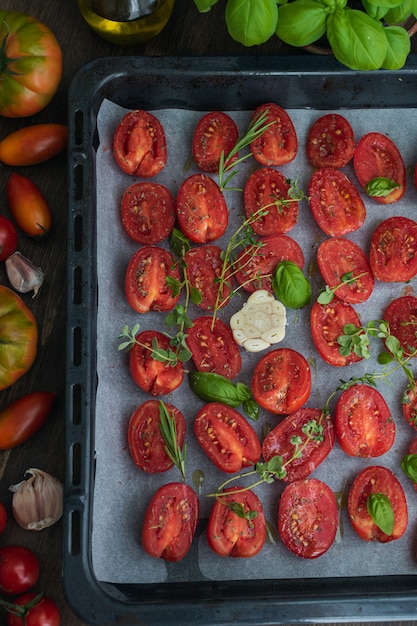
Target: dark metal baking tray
198, 84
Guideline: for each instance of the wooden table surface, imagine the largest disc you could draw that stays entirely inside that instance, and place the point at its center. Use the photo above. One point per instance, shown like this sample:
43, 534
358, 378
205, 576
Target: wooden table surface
188, 33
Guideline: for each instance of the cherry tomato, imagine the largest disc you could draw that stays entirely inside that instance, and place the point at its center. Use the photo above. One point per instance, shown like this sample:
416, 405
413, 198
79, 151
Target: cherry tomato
170, 522
330, 141
254, 267
148, 212
28, 206
214, 348
393, 250
18, 337
33, 144
156, 377
335, 202
204, 269
24, 417
279, 441
363, 422
308, 518
230, 534
268, 189
281, 381
43, 613
401, 315
146, 443
201, 209
226, 437
327, 322
376, 479
19, 569
146, 287
278, 144
338, 259
8, 238
3, 518
139, 144
215, 133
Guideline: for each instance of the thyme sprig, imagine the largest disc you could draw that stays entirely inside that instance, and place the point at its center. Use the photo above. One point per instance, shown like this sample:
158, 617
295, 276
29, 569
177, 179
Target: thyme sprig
168, 428
327, 294
167, 356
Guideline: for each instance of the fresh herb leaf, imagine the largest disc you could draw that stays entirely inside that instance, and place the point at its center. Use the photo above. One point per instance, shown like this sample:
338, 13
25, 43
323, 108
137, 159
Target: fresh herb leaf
168, 428
380, 509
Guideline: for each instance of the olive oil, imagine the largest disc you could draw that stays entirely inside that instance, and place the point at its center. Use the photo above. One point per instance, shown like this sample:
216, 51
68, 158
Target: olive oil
119, 23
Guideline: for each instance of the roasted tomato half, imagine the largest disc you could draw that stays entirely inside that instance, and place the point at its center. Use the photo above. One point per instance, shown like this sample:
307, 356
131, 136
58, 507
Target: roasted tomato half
213, 347
151, 375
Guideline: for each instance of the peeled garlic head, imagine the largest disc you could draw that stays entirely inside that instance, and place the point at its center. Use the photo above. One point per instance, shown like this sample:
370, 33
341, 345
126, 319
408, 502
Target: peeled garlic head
260, 322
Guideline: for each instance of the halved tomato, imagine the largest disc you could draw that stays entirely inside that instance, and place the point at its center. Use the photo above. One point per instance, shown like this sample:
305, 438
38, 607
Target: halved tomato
148, 212
226, 437
409, 406
278, 144
330, 141
215, 133
401, 315
214, 348
156, 377
393, 250
204, 269
327, 322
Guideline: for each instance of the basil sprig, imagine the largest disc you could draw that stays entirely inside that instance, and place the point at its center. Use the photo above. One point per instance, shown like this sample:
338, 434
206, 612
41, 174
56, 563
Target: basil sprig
380, 509
290, 285
212, 387
409, 466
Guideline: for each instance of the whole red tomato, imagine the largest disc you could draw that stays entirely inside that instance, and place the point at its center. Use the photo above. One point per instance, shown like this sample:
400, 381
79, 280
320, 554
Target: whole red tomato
23, 418
28, 206
19, 569
8, 238
37, 610
30, 65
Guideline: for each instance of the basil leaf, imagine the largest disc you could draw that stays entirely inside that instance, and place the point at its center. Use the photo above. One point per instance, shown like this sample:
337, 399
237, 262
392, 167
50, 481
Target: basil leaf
205, 5
374, 10
302, 22
409, 466
380, 509
399, 46
290, 285
212, 387
380, 187
243, 391
251, 22
251, 409
401, 12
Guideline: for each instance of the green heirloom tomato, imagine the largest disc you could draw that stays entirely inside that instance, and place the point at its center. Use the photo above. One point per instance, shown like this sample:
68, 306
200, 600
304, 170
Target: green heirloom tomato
30, 64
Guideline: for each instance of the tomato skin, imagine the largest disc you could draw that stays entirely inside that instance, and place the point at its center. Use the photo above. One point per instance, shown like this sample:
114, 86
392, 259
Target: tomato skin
278, 144
281, 381
18, 337
3, 518
33, 67
376, 479
32, 145
155, 377
28, 206
8, 238
146, 443
364, 425
24, 417
308, 518
148, 212
214, 350
327, 322
204, 266
19, 569
330, 141
278, 442
228, 534
226, 437
145, 280
409, 407
44, 613
393, 250
170, 522
401, 315
216, 132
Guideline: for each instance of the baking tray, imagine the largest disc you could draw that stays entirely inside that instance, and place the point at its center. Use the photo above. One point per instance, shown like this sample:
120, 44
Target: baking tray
195, 84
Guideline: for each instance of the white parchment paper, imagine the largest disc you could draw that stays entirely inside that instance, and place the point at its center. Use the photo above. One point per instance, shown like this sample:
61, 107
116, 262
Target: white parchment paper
122, 491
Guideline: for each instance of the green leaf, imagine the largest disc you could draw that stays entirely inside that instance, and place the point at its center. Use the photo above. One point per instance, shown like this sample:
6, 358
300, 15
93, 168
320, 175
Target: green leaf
302, 22
380, 509
205, 5
399, 46
384, 358
251, 409
409, 466
212, 387
251, 22
381, 187
290, 285
400, 12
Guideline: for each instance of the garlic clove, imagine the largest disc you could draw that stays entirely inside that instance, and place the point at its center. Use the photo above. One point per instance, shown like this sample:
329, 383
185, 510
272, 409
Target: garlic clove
37, 502
23, 274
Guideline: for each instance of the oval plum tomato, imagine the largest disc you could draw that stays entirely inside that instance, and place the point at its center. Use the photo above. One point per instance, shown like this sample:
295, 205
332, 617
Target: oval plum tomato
31, 65
19, 569
342, 262
18, 337
327, 323
146, 443
393, 250
330, 141
376, 480
28, 206
363, 422
268, 189
226, 437
170, 522
401, 316
335, 202
240, 535
24, 417
146, 285
314, 428
204, 270
215, 133
33, 144
256, 263
148, 212
308, 517
139, 144
3, 518
201, 209
376, 156
214, 348
8, 238
156, 377
281, 381
278, 144
43, 612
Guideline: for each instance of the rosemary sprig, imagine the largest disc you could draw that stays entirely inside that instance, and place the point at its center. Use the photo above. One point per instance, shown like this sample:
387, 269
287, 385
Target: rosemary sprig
168, 428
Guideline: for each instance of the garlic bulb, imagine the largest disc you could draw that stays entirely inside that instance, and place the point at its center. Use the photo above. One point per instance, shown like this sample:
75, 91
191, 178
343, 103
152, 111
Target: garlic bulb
38, 501
23, 274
